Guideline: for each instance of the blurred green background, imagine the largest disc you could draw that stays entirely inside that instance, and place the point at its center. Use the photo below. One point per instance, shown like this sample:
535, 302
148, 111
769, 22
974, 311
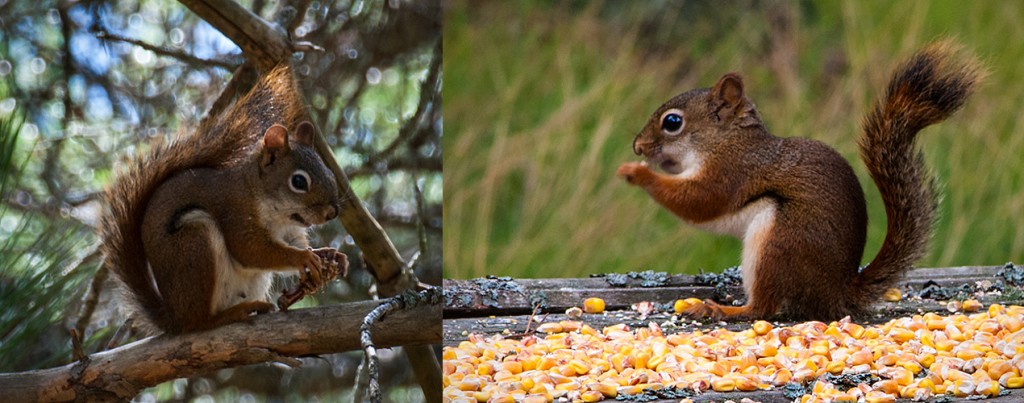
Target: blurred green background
543, 100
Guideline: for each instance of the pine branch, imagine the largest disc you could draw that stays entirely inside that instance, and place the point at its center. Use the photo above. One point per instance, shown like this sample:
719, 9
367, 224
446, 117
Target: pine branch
121, 373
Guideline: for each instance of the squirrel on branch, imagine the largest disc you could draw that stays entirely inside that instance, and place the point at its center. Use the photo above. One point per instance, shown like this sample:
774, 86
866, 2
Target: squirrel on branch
196, 227
796, 203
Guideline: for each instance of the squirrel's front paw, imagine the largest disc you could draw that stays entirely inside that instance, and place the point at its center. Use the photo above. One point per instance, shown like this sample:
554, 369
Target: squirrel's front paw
312, 268
335, 263
631, 171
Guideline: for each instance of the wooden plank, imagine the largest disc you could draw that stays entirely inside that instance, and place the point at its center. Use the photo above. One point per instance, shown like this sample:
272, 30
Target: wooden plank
456, 330
502, 306
505, 296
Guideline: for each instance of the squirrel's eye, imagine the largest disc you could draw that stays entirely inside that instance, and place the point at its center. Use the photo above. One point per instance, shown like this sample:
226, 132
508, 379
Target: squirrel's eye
672, 122
299, 182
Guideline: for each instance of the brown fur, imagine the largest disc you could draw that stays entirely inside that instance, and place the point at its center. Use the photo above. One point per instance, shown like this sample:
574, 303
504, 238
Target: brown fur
220, 145
801, 196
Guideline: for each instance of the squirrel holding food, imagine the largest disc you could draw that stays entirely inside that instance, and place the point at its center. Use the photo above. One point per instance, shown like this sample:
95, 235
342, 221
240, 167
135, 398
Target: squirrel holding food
196, 227
796, 203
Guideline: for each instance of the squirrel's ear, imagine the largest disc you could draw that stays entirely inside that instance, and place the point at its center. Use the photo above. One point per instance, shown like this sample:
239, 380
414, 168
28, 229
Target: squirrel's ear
275, 143
304, 133
728, 90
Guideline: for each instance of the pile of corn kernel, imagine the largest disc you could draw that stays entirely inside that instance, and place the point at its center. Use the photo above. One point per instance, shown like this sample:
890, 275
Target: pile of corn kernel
913, 358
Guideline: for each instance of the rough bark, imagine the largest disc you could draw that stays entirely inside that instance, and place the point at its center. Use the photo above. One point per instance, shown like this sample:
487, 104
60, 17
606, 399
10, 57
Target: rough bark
121, 373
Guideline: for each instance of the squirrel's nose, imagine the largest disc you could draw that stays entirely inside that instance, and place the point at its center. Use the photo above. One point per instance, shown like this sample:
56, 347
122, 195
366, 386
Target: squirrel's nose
638, 147
333, 212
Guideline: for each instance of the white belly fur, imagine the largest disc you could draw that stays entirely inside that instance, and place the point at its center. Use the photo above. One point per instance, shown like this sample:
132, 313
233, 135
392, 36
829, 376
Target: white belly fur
235, 283
752, 225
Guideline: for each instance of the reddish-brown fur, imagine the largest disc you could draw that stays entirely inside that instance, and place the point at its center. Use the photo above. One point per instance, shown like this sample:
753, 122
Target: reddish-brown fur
813, 230
215, 157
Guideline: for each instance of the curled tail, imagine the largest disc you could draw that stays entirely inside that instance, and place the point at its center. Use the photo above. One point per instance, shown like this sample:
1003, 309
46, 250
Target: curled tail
219, 142
927, 89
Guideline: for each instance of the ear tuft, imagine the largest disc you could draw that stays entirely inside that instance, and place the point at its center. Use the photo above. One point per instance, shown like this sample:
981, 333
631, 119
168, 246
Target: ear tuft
304, 133
729, 90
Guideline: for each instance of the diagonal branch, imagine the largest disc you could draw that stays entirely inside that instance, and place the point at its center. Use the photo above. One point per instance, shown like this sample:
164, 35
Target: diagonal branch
121, 373
261, 42
266, 45
184, 57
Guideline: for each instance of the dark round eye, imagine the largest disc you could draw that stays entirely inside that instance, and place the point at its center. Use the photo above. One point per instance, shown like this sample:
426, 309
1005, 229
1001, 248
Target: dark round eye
299, 182
672, 123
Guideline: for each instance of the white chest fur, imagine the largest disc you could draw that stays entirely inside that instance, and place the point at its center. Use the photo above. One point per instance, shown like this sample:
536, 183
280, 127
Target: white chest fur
236, 283
752, 225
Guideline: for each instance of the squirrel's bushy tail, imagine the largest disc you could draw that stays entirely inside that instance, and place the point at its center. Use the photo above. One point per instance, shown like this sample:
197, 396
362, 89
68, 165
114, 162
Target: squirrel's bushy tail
218, 142
928, 88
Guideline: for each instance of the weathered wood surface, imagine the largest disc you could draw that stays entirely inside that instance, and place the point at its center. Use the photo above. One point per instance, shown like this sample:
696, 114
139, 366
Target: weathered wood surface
484, 297
503, 306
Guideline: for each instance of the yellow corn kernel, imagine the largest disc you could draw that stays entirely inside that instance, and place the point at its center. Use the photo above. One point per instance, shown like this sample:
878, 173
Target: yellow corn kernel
719, 368
887, 386
502, 399
608, 389
514, 367
835, 367
970, 306
482, 396
761, 327
579, 367
655, 361
470, 384
926, 383
550, 328
591, 396
746, 384
485, 368
641, 359
892, 295
901, 335
902, 376
879, 397
988, 388
781, 377
547, 362
845, 397
963, 388
860, 357
820, 347
568, 386
996, 368
680, 306
1015, 382
853, 329
593, 305
723, 385
946, 345
537, 398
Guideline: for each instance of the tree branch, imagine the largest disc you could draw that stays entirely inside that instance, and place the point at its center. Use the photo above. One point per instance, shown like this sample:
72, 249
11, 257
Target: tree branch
121, 373
184, 57
267, 46
260, 41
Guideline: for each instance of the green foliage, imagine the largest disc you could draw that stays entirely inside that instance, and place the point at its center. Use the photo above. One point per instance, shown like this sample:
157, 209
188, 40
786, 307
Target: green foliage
35, 252
544, 99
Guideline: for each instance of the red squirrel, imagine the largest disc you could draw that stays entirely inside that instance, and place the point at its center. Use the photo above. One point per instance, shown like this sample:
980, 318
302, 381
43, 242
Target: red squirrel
196, 227
796, 203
